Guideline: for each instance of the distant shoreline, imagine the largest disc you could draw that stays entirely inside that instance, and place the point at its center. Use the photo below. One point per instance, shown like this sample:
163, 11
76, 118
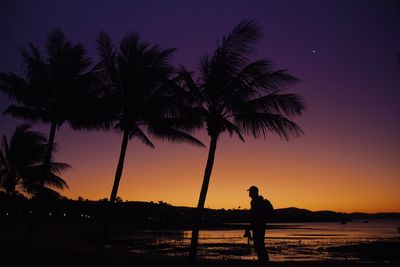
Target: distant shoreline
164, 214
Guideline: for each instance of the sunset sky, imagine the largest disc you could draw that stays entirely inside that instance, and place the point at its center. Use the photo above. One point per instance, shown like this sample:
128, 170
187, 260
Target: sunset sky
344, 52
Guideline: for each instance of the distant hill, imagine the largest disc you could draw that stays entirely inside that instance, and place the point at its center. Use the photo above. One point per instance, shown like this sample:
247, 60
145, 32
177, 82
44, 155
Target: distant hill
161, 214
379, 215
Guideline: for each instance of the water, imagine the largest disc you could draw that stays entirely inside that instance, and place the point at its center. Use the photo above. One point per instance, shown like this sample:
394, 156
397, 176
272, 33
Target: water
289, 241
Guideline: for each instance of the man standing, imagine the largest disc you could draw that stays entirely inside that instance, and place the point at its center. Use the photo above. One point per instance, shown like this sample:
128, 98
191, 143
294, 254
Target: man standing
259, 213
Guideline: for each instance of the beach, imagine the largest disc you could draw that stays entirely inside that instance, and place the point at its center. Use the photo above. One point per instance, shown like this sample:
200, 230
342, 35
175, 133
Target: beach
73, 244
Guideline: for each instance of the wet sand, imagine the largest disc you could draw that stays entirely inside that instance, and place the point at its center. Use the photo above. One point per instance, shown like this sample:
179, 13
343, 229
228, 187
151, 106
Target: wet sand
59, 245
13, 257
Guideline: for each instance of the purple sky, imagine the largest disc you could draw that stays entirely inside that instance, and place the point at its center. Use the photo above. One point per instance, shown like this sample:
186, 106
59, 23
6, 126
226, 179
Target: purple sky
345, 53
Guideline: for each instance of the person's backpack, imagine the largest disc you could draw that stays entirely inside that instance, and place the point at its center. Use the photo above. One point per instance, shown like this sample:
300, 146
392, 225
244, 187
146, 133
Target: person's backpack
268, 209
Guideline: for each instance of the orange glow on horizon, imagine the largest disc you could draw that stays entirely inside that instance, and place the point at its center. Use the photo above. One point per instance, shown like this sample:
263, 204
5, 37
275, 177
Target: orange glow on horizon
286, 173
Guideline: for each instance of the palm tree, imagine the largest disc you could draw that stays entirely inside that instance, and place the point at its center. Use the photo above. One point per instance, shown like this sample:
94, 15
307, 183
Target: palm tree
135, 81
21, 164
54, 90
238, 95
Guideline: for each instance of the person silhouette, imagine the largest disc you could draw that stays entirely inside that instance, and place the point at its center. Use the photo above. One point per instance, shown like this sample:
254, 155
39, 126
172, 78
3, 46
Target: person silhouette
258, 218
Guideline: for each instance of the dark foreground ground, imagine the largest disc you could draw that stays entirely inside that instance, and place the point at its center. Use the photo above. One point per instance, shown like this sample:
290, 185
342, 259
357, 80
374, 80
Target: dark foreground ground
12, 256
66, 246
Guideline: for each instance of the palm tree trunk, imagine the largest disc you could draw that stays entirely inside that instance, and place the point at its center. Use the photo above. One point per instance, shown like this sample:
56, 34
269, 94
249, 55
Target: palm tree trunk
202, 199
37, 203
47, 157
50, 145
120, 166
113, 196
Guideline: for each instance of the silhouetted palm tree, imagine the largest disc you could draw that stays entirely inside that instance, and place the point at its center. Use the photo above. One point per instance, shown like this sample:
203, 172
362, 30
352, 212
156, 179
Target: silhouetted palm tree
135, 79
21, 164
55, 89
237, 95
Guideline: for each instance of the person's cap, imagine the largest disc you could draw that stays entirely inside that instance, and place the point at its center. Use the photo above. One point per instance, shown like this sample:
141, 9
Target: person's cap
253, 189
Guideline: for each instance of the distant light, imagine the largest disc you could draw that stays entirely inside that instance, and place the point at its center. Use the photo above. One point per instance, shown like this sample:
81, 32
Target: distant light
314, 51
49, 213
7, 214
64, 214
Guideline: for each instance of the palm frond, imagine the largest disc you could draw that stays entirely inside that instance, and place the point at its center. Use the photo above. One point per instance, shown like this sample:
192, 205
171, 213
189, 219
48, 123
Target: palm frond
58, 167
36, 175
240, 43
104, 47
232, 129
21, 162
194, 95
28, 113
141, 136
56, 42
257, 79
260, 124
32, 57
129, 48
274, 81
13, 86
22, 133
34, 65
173, 135
105, 68
249, 75
56, 182
283, 104
163, 58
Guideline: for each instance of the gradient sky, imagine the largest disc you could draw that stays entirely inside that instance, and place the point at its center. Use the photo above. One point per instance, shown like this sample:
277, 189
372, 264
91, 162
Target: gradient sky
349, 158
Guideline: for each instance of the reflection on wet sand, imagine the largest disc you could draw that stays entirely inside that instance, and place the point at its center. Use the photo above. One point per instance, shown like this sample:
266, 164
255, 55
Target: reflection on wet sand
305, 241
